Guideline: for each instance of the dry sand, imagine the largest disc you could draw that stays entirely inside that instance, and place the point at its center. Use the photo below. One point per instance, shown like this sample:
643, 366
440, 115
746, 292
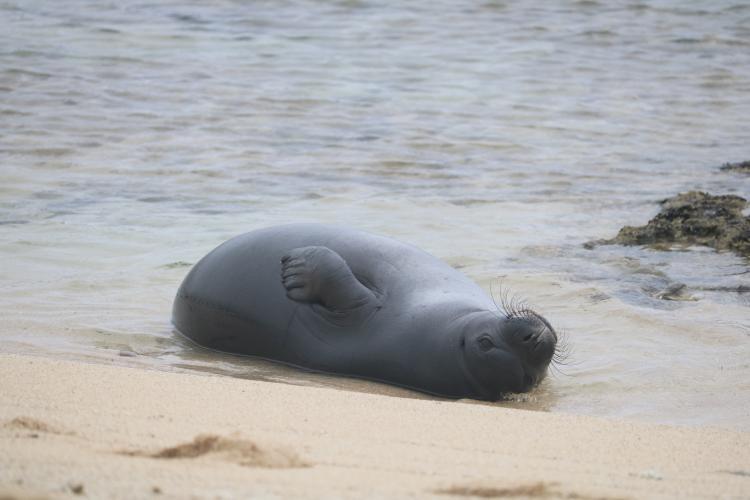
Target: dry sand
70, 429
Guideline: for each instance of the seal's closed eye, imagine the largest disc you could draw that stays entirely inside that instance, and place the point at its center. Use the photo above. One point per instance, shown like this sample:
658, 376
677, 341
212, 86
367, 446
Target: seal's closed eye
485, 343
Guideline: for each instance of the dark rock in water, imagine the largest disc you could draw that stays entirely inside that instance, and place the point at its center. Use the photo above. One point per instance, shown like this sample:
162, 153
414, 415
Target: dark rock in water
742, 166
674, 291
693, 218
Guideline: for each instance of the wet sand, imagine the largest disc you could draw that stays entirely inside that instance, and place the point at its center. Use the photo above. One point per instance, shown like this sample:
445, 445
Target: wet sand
72, 429
498, 136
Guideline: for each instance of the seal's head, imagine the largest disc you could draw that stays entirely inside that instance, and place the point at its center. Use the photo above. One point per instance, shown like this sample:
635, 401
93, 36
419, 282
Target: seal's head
509, 353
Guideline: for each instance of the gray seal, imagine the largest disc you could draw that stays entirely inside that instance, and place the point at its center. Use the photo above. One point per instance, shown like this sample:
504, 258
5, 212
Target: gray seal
338, 300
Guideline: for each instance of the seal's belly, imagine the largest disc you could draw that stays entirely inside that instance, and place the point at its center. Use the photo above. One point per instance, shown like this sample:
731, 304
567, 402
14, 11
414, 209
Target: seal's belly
233, 300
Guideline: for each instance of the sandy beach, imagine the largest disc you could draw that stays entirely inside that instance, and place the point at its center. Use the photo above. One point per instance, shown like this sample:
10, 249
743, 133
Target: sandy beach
71, 429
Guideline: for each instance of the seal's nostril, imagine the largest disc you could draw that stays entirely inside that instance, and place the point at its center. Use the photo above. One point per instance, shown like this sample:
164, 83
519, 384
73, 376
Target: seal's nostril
526, 338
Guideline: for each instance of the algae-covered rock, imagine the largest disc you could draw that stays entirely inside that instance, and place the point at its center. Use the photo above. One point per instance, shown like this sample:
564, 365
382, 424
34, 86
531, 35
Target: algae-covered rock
693, 218
742, 166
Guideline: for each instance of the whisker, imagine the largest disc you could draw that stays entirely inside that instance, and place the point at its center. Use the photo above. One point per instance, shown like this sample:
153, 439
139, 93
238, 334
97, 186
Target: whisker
562, 355
511, 306
498, 311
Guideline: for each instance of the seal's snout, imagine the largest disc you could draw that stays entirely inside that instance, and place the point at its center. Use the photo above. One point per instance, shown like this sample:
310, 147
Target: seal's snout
544, 346
535, 338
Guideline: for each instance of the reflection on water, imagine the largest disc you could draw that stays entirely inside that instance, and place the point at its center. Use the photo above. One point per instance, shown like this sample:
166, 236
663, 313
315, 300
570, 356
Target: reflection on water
499, 136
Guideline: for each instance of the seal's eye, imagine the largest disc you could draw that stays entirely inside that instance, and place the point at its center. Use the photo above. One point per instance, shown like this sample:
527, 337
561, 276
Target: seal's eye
485, 344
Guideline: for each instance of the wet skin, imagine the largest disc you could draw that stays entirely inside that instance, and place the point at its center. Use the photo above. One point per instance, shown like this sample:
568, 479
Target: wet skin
337, 300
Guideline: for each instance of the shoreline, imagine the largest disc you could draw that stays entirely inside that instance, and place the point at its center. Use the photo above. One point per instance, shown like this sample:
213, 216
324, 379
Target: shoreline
73, 429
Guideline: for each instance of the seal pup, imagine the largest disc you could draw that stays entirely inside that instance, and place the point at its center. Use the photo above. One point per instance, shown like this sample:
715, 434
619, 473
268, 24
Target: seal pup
338, 300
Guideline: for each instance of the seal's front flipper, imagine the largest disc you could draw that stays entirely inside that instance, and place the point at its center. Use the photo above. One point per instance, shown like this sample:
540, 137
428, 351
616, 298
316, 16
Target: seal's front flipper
318, 275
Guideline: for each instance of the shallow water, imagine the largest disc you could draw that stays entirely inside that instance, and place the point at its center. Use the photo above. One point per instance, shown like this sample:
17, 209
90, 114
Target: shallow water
499, 136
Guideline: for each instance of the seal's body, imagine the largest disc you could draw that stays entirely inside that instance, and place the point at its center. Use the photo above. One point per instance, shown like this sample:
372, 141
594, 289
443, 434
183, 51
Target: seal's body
342, 301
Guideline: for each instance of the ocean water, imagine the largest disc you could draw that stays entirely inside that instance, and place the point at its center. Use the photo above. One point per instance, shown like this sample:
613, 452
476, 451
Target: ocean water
499, 136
